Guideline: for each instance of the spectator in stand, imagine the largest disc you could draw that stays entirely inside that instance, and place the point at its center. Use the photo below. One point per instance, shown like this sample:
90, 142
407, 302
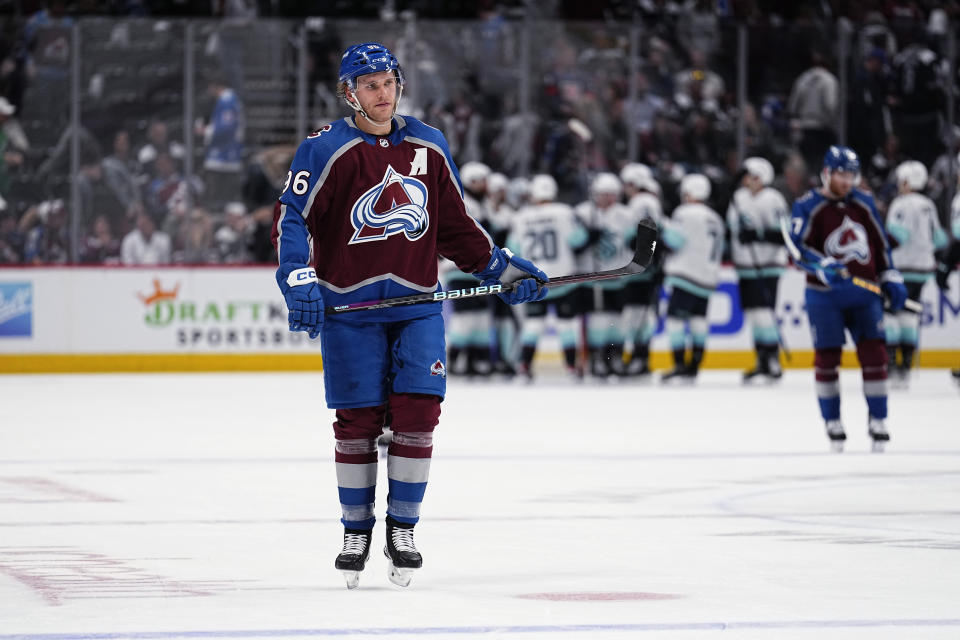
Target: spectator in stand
867, 104
45, 233
794, 180
813, 110
169, 196
120, 171
99, 197
232, 240
13, 144
944, 170
660, 67
101, 246
880, 175
223, 137
145, 245
158, 141
918, 98
698, 28
11, 240
266, 175
645, 108
698, 87
196, 246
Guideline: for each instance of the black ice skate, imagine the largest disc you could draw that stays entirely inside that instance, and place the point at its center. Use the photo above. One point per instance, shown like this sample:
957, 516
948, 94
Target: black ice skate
879, 436
403, 554
766, 370
836, 434
684, 374
353, 557
638, 367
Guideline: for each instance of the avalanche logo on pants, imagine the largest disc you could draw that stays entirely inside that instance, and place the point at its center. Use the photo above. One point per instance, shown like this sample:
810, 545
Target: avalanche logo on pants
397, 205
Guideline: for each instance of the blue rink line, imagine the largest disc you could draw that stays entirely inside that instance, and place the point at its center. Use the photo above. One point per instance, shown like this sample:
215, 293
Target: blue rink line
573, 628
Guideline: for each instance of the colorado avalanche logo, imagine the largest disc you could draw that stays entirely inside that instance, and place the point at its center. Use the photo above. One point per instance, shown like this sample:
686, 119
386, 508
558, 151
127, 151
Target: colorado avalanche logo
397, 205
848, 242
437, 369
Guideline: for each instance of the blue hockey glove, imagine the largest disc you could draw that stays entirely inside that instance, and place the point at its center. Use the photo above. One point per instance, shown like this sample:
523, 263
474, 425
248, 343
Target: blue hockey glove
831, 272
506, 268
894, 289
298, 283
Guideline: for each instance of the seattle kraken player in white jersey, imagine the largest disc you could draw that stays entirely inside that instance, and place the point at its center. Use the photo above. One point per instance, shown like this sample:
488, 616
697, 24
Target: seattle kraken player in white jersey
550, 231
506, 321
641, 291
759, 257
469, 331
949, 257
913, 222
694, 235
613, 230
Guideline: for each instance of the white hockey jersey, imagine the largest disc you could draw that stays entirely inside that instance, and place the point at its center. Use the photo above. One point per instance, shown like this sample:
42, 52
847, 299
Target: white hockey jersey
547, 234
763, 213
694, 233
912, 220
617, 227
646, 206
955, 217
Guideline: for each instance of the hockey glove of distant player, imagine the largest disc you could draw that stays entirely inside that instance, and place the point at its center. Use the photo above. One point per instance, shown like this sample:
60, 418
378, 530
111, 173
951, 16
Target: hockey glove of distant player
893, 288
831, 272
298, 283
506, 268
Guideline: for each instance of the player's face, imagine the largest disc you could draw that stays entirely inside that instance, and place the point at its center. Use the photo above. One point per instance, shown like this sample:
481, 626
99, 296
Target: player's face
752, 182
377, 95
841, 182
605, 200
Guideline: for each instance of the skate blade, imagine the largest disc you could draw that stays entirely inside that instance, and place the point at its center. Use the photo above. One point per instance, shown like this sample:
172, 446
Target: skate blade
878, 446
352, 578
400, 576
836, 446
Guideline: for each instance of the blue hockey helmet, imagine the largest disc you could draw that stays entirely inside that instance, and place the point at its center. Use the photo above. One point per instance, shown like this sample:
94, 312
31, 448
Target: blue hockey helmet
367, 57
840, 158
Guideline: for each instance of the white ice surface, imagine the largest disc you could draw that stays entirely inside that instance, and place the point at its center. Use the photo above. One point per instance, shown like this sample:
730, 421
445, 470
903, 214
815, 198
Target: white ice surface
204, 506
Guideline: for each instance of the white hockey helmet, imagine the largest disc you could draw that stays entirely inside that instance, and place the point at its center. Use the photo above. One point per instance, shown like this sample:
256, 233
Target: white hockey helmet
695, 186
518, 192
473, 172
543, 188
606, 183
913, 173
497, 182
636, 174
761, 168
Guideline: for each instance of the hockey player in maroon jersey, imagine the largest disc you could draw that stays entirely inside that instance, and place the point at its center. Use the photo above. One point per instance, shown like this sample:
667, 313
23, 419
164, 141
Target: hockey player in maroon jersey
836, 235
370, 203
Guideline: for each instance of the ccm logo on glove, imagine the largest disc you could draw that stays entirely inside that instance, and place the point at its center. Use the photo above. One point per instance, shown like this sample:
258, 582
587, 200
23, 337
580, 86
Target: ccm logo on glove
302, 276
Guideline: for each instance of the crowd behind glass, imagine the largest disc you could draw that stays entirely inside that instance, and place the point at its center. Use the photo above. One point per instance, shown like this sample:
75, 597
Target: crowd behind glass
137, 206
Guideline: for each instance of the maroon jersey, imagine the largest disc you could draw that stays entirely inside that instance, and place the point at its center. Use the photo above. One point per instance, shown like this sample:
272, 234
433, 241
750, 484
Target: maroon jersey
849, 230
373, 213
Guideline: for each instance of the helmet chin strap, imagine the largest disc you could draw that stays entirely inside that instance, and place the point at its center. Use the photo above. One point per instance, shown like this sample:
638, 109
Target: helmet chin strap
355, 105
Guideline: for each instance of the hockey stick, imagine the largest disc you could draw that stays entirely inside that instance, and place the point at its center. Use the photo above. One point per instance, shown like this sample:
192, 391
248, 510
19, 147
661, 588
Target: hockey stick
909, 305
646, 242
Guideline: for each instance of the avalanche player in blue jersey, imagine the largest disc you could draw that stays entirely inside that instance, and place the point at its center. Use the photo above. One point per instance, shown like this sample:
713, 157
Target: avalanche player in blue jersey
836, 236
370, 204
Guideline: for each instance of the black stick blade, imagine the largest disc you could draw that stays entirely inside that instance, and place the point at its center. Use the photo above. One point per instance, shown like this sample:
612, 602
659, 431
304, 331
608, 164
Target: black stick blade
646, 243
